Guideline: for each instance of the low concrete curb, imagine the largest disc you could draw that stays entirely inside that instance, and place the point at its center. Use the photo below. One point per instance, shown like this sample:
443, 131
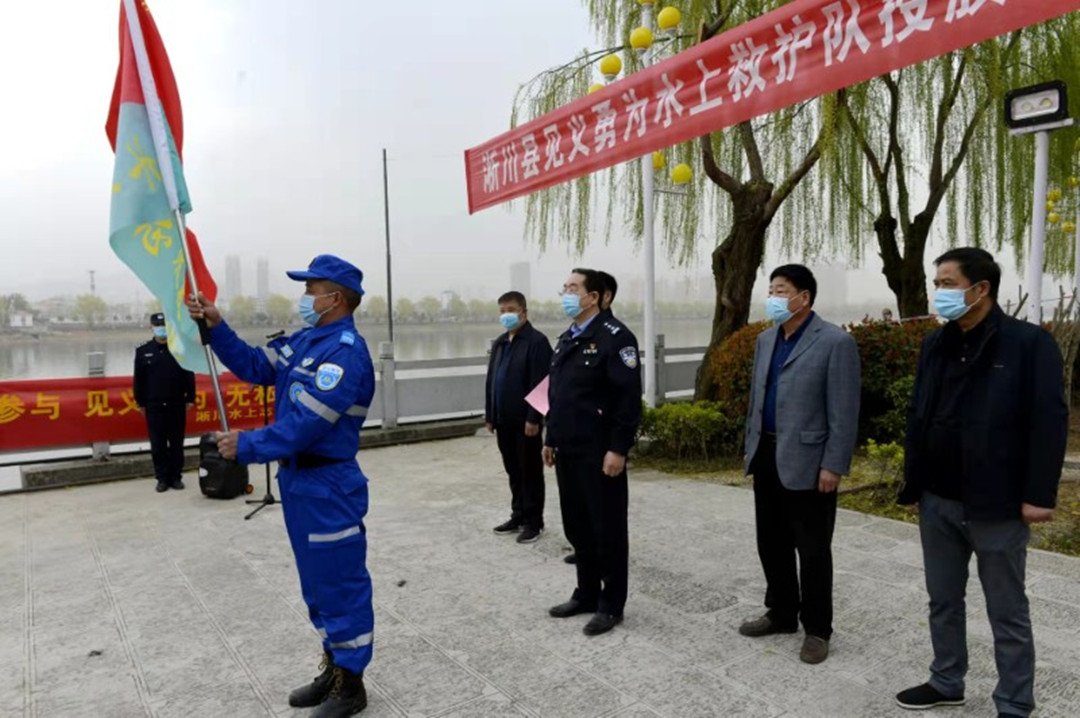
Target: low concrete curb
132, 466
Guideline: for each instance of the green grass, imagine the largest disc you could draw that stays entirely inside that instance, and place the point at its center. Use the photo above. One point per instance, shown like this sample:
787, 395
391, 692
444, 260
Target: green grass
1060, 536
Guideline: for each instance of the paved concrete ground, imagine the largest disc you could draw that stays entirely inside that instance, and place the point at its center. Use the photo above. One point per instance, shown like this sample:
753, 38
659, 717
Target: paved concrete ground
117, 601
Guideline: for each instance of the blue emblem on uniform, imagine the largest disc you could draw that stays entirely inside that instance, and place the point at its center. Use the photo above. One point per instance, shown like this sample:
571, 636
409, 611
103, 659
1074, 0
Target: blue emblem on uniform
308, 361
327, 376
348, 338
286, 351
294, 390
629, 356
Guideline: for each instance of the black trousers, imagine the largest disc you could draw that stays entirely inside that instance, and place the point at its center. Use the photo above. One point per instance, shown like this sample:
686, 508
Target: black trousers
165, 425
594, 510
790, 523
524, 464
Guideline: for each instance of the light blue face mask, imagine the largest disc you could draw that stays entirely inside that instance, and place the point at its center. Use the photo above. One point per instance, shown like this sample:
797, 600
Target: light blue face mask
950, 303
509, 321
571, 305
776, 309
307, 308
161, 333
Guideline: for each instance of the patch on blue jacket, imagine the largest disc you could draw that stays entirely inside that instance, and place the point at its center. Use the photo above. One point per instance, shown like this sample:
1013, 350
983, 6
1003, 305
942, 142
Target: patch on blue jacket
348, 338
327, 376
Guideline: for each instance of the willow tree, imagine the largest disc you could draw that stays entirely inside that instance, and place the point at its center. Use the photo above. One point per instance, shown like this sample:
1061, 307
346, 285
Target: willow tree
746, 180
930, 138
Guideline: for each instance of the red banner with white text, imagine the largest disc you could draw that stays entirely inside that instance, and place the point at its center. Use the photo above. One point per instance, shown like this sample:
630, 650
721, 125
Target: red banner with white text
802, 50
54, 413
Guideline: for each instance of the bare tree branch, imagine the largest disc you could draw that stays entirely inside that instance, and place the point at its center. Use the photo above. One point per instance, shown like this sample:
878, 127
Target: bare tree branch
712, 170
896, 153
753, 153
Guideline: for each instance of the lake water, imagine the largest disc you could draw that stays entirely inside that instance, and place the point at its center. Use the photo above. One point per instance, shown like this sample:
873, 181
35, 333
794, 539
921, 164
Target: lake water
66, 355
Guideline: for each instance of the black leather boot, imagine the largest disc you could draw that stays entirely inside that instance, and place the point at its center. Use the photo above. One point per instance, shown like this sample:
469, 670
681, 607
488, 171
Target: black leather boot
346, 698
317, 691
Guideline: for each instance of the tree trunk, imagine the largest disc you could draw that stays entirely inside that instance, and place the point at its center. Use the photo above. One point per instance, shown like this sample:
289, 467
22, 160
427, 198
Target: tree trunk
904, 273
734, 265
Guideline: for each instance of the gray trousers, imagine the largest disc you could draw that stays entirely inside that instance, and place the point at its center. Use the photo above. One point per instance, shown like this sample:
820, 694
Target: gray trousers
1000, 549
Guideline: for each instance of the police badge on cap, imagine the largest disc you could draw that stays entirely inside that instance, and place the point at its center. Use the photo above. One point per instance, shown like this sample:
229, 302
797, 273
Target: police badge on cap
157, 320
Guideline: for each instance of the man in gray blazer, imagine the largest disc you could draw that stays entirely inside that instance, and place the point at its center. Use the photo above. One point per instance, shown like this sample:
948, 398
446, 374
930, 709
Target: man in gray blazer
800, 434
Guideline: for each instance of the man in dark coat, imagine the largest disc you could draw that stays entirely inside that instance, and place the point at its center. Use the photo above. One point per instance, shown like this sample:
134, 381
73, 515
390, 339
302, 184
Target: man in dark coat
986, 435
164, 392
519, 361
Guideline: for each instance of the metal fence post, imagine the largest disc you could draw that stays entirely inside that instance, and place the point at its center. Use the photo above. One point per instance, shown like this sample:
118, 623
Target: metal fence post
389, 386
96, 367
661, 371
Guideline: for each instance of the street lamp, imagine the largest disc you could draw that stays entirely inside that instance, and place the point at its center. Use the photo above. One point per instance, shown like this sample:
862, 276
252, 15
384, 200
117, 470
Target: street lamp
1038, 109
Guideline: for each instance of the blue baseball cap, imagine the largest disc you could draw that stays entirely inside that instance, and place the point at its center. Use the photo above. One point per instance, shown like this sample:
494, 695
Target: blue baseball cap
333, 269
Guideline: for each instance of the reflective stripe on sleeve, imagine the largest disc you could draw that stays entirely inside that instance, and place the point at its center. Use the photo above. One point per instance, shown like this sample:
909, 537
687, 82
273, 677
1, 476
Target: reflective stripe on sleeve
302, 370
364, 639
337, 536
356, 410
318, 407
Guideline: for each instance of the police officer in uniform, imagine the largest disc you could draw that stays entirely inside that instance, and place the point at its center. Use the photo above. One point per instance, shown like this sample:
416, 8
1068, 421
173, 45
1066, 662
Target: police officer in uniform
164, 391
324, 379
594, 401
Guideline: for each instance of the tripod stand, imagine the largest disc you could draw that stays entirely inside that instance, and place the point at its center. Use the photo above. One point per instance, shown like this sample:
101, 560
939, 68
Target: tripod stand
268, 499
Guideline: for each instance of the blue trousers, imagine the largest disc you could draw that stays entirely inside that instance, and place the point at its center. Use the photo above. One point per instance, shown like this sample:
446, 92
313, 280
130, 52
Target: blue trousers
324, 511
1000, 549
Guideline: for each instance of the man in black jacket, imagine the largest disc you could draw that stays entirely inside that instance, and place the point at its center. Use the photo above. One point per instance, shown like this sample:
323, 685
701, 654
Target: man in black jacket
164, 391
519, 361
986, 435
595, 408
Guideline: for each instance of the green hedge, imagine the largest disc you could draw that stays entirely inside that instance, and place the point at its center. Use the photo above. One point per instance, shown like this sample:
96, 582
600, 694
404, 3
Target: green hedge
703, 430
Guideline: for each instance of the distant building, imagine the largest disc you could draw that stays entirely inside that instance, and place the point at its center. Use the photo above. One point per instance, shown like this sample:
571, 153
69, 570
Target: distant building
233, 284
20, 320
521, 278
262, 282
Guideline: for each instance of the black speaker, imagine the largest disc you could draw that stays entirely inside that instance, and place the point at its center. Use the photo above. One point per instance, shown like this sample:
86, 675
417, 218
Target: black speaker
220, 478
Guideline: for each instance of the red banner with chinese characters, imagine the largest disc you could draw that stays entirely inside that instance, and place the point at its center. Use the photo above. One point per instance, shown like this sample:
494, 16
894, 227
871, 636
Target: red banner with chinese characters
802, 50
54, 413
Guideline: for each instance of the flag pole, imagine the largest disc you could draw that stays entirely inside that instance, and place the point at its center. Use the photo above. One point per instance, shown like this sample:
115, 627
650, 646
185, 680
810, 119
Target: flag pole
156, 116
204, 331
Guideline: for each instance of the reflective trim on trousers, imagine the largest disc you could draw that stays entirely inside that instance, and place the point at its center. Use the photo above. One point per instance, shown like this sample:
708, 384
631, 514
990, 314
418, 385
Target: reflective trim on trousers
337, 536
364, 639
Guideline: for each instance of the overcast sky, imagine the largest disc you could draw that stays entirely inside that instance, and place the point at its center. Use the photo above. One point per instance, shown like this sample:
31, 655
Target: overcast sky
287, 106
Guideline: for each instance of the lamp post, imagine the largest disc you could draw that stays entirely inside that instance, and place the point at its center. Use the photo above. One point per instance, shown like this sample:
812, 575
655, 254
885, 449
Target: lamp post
641, 40
1038, 109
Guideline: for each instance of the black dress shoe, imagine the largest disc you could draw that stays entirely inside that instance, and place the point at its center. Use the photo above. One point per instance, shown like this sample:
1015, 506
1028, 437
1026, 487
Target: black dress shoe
571, 608
601, 623
570, 558
161, 487
765, 626
178, 485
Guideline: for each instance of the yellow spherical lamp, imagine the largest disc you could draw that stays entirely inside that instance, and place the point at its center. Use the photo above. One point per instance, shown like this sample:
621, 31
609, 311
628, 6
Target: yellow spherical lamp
1053, 218
1074, 182
668, 19
1069, 228
610, 67
646, 2
1050, 206
1054, 195
681, 173
595, 87
641, 39
658, 161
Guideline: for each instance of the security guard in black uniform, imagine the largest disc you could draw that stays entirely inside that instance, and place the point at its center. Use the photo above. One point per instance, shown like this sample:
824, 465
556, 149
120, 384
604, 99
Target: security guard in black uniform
164, 391
595, 408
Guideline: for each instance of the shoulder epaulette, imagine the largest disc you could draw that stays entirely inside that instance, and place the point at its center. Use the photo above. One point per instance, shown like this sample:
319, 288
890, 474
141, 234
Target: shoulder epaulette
347, 338
613, 328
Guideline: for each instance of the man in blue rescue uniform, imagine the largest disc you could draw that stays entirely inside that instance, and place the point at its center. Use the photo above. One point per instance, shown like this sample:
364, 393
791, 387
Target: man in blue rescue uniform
594, 398
324, 381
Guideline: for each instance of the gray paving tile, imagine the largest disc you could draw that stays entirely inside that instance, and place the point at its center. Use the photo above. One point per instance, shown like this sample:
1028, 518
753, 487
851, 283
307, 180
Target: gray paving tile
195, 611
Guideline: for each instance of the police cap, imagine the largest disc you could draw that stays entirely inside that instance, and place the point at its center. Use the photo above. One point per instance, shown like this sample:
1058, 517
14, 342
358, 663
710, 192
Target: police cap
333, 269
157, 320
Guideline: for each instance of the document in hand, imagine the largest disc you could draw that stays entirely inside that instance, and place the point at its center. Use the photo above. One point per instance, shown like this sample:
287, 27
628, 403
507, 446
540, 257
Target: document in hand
538, 397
